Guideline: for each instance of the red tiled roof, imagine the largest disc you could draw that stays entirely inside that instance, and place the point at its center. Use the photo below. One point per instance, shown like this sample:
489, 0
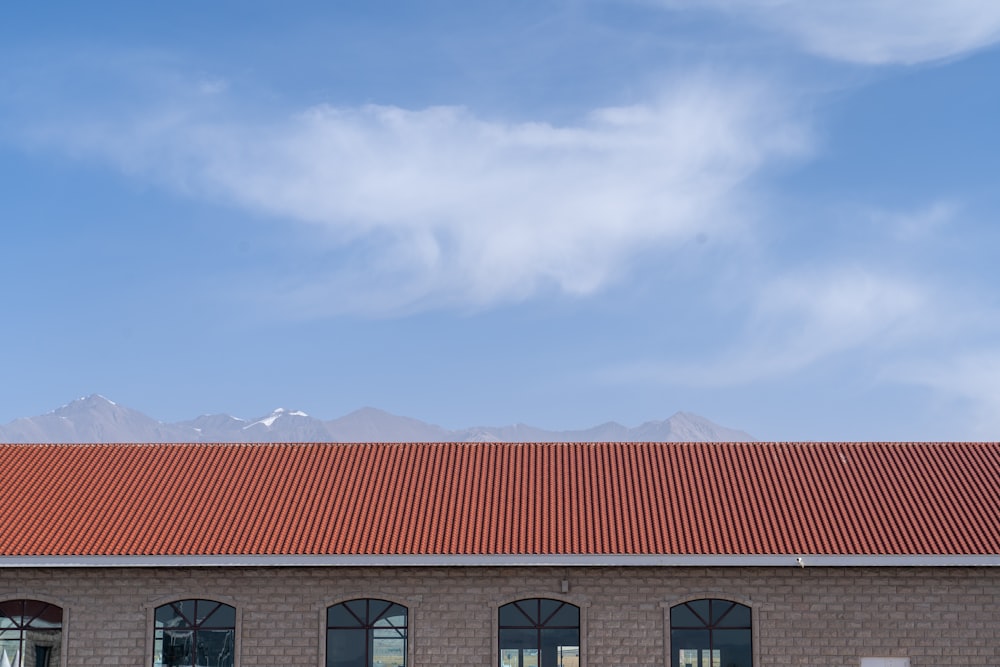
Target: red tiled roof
501, 499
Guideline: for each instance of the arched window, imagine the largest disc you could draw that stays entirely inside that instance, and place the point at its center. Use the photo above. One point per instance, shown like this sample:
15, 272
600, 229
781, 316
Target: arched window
539, 632
366, 633
30, 633
711, 633
190, 633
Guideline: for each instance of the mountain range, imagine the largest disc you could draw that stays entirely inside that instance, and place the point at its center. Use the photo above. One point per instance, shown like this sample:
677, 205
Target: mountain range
96, 419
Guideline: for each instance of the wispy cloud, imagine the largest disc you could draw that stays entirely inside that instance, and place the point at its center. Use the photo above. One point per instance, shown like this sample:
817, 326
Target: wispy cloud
798, 320
456, 208
917, 224
872, 32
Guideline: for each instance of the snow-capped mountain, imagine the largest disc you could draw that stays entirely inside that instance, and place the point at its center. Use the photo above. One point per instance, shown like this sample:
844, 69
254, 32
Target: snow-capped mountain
91, 419
97, 419
285, 426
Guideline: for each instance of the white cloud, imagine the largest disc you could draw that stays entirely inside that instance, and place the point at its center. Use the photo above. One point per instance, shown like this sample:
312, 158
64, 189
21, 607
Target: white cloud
213, 86
917, 224
807, 317
460, 209
873, 32
904, 331
800, 319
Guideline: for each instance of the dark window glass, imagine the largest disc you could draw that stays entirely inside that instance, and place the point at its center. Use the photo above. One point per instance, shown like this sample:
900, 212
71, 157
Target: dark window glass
224, 616
366, 633
214, 647
340, 616
358, 608
511, 615
187, 607
377, 609
566, 616
30, 633
518, 638
737, 617
681, 616
734, 645
203, 611
711, 633
539, 632
546, 608
345, 648
701, 608
194, 633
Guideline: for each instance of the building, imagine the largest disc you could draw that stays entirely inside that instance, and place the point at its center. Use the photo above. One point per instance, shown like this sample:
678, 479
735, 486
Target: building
501, 555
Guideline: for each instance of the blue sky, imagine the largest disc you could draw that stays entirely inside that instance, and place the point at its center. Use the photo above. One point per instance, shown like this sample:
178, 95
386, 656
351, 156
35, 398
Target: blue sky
781, 215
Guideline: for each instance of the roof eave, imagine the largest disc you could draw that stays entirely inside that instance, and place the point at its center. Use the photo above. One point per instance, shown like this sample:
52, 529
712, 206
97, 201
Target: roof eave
506, 560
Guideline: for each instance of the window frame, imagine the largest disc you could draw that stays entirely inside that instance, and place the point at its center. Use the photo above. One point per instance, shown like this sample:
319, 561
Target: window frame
152, 606
64, 624
408, 603
580, 602
667, 605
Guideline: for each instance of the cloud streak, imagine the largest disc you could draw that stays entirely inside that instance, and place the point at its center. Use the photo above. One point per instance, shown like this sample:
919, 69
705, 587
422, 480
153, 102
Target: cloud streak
920, 224
872, 32
457, 209
800, 319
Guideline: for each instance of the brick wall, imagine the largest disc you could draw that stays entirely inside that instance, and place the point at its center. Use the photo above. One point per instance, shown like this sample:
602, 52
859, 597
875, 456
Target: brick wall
818, 617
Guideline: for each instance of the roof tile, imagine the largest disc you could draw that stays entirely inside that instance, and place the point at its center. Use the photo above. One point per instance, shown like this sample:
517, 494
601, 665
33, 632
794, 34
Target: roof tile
493, 499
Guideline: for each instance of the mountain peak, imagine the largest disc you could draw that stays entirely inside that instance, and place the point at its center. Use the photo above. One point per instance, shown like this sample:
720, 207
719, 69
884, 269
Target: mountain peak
275, 415
94, 401
98, 419
97, 399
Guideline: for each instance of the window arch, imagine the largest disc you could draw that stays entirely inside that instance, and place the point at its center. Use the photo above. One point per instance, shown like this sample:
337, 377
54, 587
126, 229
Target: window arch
190, 633
30, 633
539, 632
711, 633
366, 633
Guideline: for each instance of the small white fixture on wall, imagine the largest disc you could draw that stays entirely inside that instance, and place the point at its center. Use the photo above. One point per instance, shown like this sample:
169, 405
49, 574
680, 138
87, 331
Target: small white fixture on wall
885, 662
